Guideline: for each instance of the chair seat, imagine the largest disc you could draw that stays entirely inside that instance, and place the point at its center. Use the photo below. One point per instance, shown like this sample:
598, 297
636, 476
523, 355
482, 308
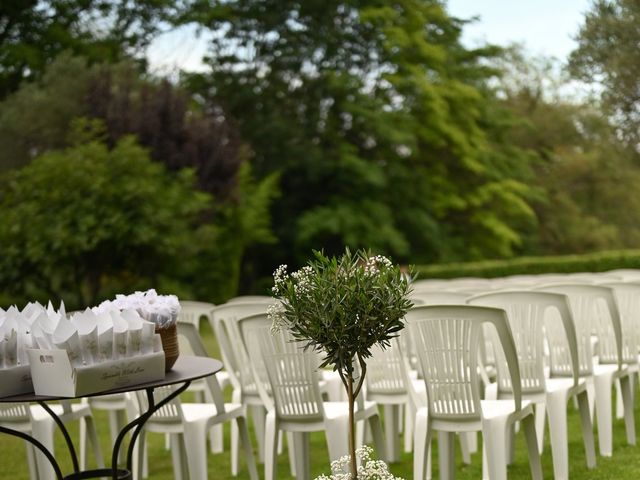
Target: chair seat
559, 383
78, 410
337, 409
193, 412
500, 408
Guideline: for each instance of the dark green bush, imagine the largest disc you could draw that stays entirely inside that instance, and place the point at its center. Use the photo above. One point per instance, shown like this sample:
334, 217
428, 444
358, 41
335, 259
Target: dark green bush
591, 262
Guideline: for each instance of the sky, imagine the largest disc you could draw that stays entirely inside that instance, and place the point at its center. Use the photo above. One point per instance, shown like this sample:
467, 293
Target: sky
545, 27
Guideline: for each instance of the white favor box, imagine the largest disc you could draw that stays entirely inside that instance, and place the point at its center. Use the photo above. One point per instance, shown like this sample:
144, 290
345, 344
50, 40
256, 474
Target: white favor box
15, 381
53, 375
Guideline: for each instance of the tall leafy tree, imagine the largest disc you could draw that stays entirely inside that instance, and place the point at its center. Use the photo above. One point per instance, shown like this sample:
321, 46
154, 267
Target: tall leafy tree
177, 131
583, 169
375, 115
34, 32
608, 55
81, 220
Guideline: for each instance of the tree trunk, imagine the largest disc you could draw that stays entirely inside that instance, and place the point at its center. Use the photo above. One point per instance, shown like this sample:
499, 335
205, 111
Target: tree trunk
352, 433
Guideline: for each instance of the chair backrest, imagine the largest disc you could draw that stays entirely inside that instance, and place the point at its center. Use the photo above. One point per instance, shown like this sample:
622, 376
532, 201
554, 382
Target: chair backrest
447, 339
429, 297
171, 412
224, 324
14, 412
291, 372
191, 334
594, 310
386, 371
627, 296
192, 311
527, 312
252, 299
439, 297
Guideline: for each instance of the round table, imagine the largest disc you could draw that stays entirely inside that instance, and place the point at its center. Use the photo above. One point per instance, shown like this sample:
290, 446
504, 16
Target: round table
186, 369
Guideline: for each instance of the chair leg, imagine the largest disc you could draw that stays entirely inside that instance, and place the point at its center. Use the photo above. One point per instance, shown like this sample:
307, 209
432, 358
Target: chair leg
446, 455
258, 413
463, 438
528, 425
179, 462
248, 449
270, 446
587, 429
494, 434
31, 460
391, 430
43, 431
541, 414
84, 456
557, 407
301, 450
626, 386
291, 450
619, 402
422, 445
95, 443
378, 437
139, 452
195, 441
409, 419
216, 435
603, 385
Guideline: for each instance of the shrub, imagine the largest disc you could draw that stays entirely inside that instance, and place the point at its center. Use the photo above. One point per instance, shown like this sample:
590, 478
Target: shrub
592, 262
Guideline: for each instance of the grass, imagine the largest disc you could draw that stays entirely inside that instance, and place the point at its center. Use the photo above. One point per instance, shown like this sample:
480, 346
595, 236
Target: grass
625, 462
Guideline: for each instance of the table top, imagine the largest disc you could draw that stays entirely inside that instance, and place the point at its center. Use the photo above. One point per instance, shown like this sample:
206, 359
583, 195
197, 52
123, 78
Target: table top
186, 368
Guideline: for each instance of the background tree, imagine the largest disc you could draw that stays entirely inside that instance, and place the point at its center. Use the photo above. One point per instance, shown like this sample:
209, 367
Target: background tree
34, 32
608, 55
80, 221
583, 171
374, 118
177, 131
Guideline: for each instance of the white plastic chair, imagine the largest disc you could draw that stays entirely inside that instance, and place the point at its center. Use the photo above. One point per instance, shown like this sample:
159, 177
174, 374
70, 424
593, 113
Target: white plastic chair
224, 324
386, 384
447, 340
468, 441
294, 400
193, 345
192, 311
188, 424
526, 314
251, 299
594, 310
627, 297
36, 421
116, 407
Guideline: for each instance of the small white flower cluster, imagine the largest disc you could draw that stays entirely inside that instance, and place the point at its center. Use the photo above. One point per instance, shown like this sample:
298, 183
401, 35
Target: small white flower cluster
302, 280
275, 313
375, 264
280, 276
367, 470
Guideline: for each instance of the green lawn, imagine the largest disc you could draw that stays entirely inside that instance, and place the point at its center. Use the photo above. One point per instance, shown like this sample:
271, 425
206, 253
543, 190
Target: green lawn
625, 462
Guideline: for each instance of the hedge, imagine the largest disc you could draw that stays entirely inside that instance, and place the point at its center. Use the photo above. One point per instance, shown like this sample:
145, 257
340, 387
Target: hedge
590, 262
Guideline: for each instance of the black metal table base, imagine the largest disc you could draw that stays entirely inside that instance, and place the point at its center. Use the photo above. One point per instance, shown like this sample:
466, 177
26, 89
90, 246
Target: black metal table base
114, 472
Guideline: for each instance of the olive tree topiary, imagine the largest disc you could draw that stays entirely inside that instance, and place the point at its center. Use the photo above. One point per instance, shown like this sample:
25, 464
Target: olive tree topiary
342, 307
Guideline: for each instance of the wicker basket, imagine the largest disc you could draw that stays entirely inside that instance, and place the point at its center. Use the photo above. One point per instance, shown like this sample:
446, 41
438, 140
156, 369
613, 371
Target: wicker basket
169, 338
